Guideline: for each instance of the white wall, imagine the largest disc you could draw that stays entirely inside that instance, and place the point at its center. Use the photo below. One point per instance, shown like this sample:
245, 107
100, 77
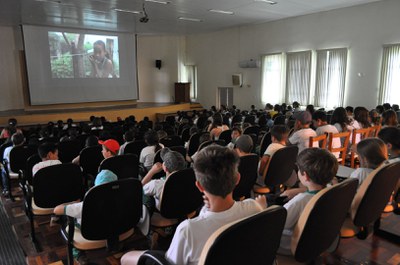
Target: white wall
362, 29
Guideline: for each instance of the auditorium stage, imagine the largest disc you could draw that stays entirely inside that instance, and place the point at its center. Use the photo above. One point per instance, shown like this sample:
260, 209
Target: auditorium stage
82, 112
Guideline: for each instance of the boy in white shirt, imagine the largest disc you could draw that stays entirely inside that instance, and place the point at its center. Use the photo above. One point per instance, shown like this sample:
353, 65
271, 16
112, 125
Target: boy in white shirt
49, 154
302, 130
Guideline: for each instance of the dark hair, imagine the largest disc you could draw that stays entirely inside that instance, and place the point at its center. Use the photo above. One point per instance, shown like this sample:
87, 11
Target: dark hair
296, 104
319, 115
91, 140
373, 150
280, 132
386, 106
390, 135
319, 164
350, 109
380, 109
151, 138
46, 148
310, 108
129, 136
17, 139
216, 169
361, 115
389, 118
339, 115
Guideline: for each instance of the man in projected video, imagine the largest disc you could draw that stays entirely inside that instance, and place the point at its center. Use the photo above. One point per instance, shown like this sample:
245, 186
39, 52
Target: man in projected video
102, 66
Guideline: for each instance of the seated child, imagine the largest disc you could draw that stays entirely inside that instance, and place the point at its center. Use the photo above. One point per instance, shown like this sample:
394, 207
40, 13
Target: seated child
172, 161
216, 169
317, 167
147, 154
236, 132
372, 152
128, 136
302, 131
321, 124
49, 154
110, 148
244, 145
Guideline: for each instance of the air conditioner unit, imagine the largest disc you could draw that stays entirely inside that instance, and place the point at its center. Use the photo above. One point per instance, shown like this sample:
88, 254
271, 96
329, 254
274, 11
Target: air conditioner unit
250, 64
237, 80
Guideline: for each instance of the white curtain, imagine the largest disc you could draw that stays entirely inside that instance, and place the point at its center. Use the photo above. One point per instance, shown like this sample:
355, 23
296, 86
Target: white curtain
330, 78
298, 66
389, 90
272, 75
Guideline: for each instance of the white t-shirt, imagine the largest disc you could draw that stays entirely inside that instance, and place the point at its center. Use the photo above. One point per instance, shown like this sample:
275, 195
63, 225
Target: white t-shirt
74, 210
192, 234
361, 174
272, 148
154, 188
44, 164
301, 138
6, 156
330, 129
147, 156
294, 209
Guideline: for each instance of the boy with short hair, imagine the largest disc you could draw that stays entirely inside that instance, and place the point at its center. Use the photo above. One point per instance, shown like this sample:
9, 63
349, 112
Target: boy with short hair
317, 167
216, 169
236, 132
110, 148
302, 130
49, 154
244, 145
322, 127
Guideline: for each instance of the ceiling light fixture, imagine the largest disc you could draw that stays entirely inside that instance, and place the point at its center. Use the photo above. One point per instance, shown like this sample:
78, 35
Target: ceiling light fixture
267, 1
190, 19
221, 11
159, 2
145, 17
127, 11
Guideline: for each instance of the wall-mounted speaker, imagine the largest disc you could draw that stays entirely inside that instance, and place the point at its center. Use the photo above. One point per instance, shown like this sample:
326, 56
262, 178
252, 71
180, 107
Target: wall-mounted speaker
158, 64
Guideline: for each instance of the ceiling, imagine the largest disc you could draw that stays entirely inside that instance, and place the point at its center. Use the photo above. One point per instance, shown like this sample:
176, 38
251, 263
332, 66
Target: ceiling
163, 18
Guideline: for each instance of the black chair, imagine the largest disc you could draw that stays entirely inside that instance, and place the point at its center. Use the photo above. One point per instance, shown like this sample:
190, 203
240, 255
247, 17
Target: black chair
18, 157
265, 142
124, 166
52, 186
185, 135
110, 213
318, 227
68, 150
251, 240
207, 143
252, 130
27, 175
135, 147
194, 143
226, 136
179, 200
236, 119
249, 119
173, 140
248, 175
279, 170
90, 159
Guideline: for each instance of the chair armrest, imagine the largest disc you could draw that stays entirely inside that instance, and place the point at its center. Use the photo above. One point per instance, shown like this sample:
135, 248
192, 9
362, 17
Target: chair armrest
153, 257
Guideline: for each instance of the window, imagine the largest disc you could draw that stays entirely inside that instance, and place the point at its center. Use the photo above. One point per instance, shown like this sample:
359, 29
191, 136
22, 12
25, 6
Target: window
272, 69
390, 74
330, 77
298, 69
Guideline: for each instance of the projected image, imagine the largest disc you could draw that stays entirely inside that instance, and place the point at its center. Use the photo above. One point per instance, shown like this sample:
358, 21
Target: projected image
75, 55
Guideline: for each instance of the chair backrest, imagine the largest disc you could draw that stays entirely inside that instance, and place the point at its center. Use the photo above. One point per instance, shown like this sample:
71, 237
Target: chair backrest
111, 209
194, 143
236, 119
265, 142
124, 166
357, 135
173, 140
185, 134
207, 143
248, 175
344, 139
57, 184
30, 162
180, 195
135, 147
90, 159
374, 193
250, 119
374, 130
226, 136
320, 222
252, 130
68, 150
281, 166
320, 139
19, 155
252, 240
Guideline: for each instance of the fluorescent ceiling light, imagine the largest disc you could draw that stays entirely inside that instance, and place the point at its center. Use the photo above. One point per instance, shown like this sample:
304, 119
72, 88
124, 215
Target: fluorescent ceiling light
49, 1
159, 1
221, 11
267, 1
127, 11
190, 19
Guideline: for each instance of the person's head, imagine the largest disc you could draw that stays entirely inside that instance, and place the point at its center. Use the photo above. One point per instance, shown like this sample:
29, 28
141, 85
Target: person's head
104, 177
216, 170
391, 137
316, 165
371, 152
319, 118
349, 110
99, 50
380, 109
217, 119
310, 108
296, 104
303, 118
395, 107
236, 132
162, 134
172, 160
17, 139
374, 117
12, 122
91, 140
361, 115
389, 118
110, 148
386, 106
129, 136
48, 151
339, 116
244, 144
151, 137
279, 133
